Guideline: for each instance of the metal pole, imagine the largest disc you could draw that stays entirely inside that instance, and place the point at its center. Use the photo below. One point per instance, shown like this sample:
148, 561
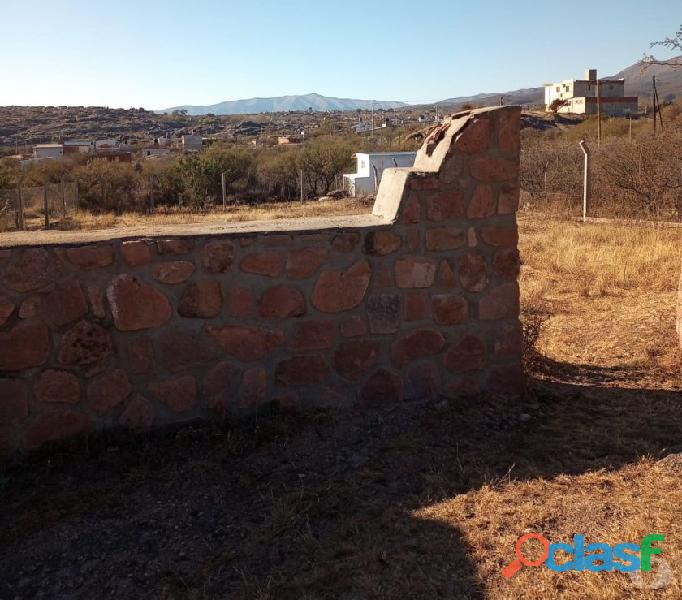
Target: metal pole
598, 115
586, 180
224, 187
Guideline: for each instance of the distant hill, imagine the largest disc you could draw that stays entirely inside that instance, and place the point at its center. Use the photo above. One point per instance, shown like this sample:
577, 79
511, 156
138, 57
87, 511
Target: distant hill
284, 104
637, 83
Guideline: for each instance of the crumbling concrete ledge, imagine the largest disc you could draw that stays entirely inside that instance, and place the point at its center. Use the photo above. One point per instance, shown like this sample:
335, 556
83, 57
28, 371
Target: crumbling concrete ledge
176, 323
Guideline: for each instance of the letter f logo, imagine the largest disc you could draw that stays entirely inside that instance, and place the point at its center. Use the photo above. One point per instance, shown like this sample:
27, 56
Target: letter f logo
647, 550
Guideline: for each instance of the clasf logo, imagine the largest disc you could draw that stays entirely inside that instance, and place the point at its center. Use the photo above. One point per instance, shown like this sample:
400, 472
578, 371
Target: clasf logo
562, 557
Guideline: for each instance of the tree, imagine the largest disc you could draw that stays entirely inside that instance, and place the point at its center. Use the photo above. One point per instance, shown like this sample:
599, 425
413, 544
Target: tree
108, 186
673, 44
321, 161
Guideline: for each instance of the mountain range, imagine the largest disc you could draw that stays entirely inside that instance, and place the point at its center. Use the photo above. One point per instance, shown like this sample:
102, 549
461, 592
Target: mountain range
285, 103
637, 83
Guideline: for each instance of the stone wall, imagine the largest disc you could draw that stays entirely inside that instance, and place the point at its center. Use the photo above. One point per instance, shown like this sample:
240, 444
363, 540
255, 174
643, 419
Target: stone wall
418, 299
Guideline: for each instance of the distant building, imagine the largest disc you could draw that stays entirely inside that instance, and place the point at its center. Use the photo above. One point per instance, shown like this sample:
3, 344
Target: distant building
288, 140
78, 146
106, 145
579, 96
370, 167
43, 151
155, 152
112, 155
191, 143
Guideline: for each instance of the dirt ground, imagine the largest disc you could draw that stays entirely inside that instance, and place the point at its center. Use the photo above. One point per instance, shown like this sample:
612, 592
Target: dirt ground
420, 500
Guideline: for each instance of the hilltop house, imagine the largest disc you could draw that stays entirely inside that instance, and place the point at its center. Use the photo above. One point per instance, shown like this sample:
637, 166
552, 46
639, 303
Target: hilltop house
370, 166
579, 96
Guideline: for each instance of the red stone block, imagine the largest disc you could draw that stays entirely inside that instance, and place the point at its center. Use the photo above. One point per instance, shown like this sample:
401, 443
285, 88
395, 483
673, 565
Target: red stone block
180, 348
509, 200
58, 386
84, 344
500, 236
91, 257
313, 335
136, 253
501, 302
6, 309
491, 169
445, 238
136, 305
254, 388
446, 276
30, 307
336, 291
172, 272
411, 211
219, 384
383, 277
382, 387
475, 136
140, 354
201, 300
282, 302
13, 401
353, 327
416, 344
449, 309
305, 262
269, 263
217, 256
445, 206
507, 263
26, 345
382, 243
473, 274
33, 271
302, 370
139, 413
467, 354
508, 131
415, 272
422, 381
57, 424
482, 203
346, 242
108, 390
247, 343
65, 303
353, 359
416, 307
413, 239
179, 395
98, 300
240, 302
175, 246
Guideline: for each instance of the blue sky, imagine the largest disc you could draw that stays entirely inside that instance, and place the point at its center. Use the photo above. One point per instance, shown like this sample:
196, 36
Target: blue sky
162, 53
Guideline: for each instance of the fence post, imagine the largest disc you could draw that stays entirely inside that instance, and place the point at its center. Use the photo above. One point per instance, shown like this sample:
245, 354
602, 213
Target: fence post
301, 181
46, 206
63, 191
20, 208
224, 190
586, 180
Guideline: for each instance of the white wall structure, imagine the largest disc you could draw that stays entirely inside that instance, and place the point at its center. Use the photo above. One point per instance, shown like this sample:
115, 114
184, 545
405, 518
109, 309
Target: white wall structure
579, 96
191, 143
48, 151
370, 167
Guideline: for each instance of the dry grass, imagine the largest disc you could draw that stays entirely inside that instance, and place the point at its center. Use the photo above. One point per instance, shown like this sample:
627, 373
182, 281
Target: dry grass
407, 502
84, 220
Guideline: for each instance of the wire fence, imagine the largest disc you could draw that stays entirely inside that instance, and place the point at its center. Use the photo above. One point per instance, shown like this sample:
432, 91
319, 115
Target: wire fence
47, 202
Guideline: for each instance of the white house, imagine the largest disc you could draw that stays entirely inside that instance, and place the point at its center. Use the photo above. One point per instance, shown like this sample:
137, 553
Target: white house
191, 143
579, 96
362, 127
42, 151
370, 166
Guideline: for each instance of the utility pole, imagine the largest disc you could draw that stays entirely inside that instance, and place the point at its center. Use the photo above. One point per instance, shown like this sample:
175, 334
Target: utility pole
653, 99
586, 180
372, 132
224, 187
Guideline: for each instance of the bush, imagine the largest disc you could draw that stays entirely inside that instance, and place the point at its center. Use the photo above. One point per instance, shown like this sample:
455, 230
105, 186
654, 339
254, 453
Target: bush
108, 186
